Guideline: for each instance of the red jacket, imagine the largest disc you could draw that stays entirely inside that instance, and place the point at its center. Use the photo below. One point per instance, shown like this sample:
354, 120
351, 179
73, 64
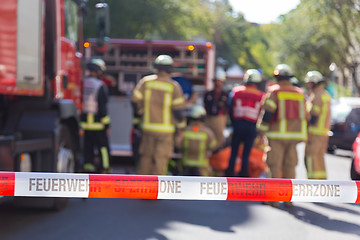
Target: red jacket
245, 103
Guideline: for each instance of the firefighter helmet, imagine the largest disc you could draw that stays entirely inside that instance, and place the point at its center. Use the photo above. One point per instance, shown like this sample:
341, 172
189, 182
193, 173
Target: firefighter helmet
164, 62
294, 80
314, 77
96, 64
283, 71
220, 75
197, 112
252, 76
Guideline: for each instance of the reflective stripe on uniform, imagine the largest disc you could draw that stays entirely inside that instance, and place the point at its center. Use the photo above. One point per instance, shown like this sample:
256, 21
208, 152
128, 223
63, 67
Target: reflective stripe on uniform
314, 174
201, 160
319, 128
105, 157
90, 123
147, 106
271, 104
157, 85
316, 109
166, 125
167, 109
181, 124
291, 96
106, 120
92, 126
178, 101
158, 127
283, 134
138, 94
213, 143
317, 175
262, 127
319, 131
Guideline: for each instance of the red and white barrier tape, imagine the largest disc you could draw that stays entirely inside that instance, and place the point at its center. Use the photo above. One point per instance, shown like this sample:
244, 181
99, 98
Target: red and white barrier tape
176, 187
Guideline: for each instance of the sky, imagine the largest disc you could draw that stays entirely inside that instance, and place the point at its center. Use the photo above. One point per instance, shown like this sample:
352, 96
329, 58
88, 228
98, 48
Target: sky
263, 11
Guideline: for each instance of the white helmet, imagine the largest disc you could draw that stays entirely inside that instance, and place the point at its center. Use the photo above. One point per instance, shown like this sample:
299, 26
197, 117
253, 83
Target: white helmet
283, 71
314, 77
164, 62
96, 64
220, 75
252, 76
197, 112
294, 80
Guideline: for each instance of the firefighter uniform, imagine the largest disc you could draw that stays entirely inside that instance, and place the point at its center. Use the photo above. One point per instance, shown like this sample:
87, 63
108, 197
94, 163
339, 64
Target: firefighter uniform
196, 141
318, 105
245, 105
283, 120
158, 96
215, 103
95, 122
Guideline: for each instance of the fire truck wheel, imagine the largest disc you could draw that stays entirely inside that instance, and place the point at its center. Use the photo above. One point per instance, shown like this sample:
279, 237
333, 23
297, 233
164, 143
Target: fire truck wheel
65, 160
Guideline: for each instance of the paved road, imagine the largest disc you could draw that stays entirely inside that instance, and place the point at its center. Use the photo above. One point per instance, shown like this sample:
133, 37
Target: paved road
176, 219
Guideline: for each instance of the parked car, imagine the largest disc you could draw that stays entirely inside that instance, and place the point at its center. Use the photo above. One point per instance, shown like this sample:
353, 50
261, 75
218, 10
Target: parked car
345, 123
355, 165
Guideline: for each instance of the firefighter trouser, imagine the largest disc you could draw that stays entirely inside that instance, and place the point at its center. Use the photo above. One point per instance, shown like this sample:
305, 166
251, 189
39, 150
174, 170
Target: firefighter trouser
314, 156
97, 140
244, 132
155, 152
217, 124
282, 158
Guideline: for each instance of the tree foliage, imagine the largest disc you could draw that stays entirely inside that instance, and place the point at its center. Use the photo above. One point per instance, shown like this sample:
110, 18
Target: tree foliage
318, 33
209, 20
310, 37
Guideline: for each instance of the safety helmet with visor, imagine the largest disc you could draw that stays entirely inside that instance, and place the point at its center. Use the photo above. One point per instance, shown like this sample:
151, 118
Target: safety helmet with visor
164, 62
314, 77
282, 72
96, 64
197, 112
252, 76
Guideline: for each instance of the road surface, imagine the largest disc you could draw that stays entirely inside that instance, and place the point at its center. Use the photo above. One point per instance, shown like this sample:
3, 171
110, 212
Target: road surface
181, 219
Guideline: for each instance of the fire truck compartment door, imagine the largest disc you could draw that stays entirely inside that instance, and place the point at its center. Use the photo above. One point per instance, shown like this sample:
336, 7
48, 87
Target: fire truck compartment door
29, 45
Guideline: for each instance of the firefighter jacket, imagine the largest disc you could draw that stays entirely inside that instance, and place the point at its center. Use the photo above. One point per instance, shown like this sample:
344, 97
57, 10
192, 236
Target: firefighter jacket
94, 116
196, 141
319, 105
286, 104
216, 103
157, 98
245, 103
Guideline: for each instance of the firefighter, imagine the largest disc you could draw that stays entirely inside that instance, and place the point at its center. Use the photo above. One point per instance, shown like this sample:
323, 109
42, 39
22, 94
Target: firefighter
159, 103
319, 125
283, 121
94, 118
195, 143
215, 103
244, 109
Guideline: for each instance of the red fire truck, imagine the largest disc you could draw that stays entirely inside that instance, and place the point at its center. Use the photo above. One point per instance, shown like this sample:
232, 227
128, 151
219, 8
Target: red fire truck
41, 46
128, 60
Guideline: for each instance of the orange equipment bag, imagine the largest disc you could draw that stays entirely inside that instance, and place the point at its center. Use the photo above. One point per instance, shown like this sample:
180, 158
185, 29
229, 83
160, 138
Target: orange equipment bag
220, 160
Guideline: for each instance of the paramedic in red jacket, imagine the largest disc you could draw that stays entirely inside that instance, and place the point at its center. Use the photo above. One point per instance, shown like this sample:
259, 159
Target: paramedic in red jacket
244, 109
